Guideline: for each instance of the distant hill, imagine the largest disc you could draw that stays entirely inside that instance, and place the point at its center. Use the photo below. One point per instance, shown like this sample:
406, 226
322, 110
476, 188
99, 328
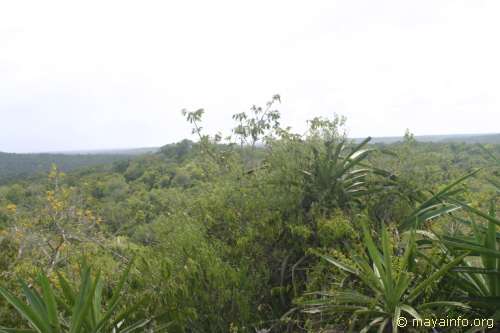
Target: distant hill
119, 151
16, 166
466, 138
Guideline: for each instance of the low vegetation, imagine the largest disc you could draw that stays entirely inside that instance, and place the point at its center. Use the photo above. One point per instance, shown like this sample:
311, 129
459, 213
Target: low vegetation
264, 230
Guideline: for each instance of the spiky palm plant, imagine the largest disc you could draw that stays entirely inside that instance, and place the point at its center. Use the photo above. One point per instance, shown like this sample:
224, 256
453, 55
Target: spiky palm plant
435, 205
392, 290
337, 175
478, 277
73, 310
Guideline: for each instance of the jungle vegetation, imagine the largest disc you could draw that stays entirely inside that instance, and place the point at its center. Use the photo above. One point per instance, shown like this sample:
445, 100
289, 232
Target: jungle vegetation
259, 230
18, 167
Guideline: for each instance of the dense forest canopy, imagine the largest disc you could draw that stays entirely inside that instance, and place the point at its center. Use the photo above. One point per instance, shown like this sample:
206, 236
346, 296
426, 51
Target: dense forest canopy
19, 166
262, 230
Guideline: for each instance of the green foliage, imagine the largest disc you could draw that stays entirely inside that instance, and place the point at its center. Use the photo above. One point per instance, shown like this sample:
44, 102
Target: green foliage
19, 166
479, 279
335, 229
260, 123
73, 310
226, 229
392, 287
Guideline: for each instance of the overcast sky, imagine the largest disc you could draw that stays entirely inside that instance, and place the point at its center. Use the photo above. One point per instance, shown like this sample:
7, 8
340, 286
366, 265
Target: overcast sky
114, 74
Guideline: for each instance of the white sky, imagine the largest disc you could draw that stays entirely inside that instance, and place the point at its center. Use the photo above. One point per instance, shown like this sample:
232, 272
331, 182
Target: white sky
112, 74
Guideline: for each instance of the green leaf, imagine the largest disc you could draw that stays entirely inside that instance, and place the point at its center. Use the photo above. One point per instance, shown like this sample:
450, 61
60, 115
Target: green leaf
68, 291
50, 301
113, 303
34, 300
395, 317
436, 198
83, 302
434, 277
443, 304
337, 263
16, 330
24, 310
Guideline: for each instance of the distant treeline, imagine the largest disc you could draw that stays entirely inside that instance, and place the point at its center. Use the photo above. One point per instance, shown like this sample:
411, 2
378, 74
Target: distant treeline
454, 138
17, 166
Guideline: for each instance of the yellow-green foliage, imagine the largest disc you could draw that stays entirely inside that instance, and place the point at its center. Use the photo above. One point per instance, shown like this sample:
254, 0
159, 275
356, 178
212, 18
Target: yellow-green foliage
226, 235
335, 229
